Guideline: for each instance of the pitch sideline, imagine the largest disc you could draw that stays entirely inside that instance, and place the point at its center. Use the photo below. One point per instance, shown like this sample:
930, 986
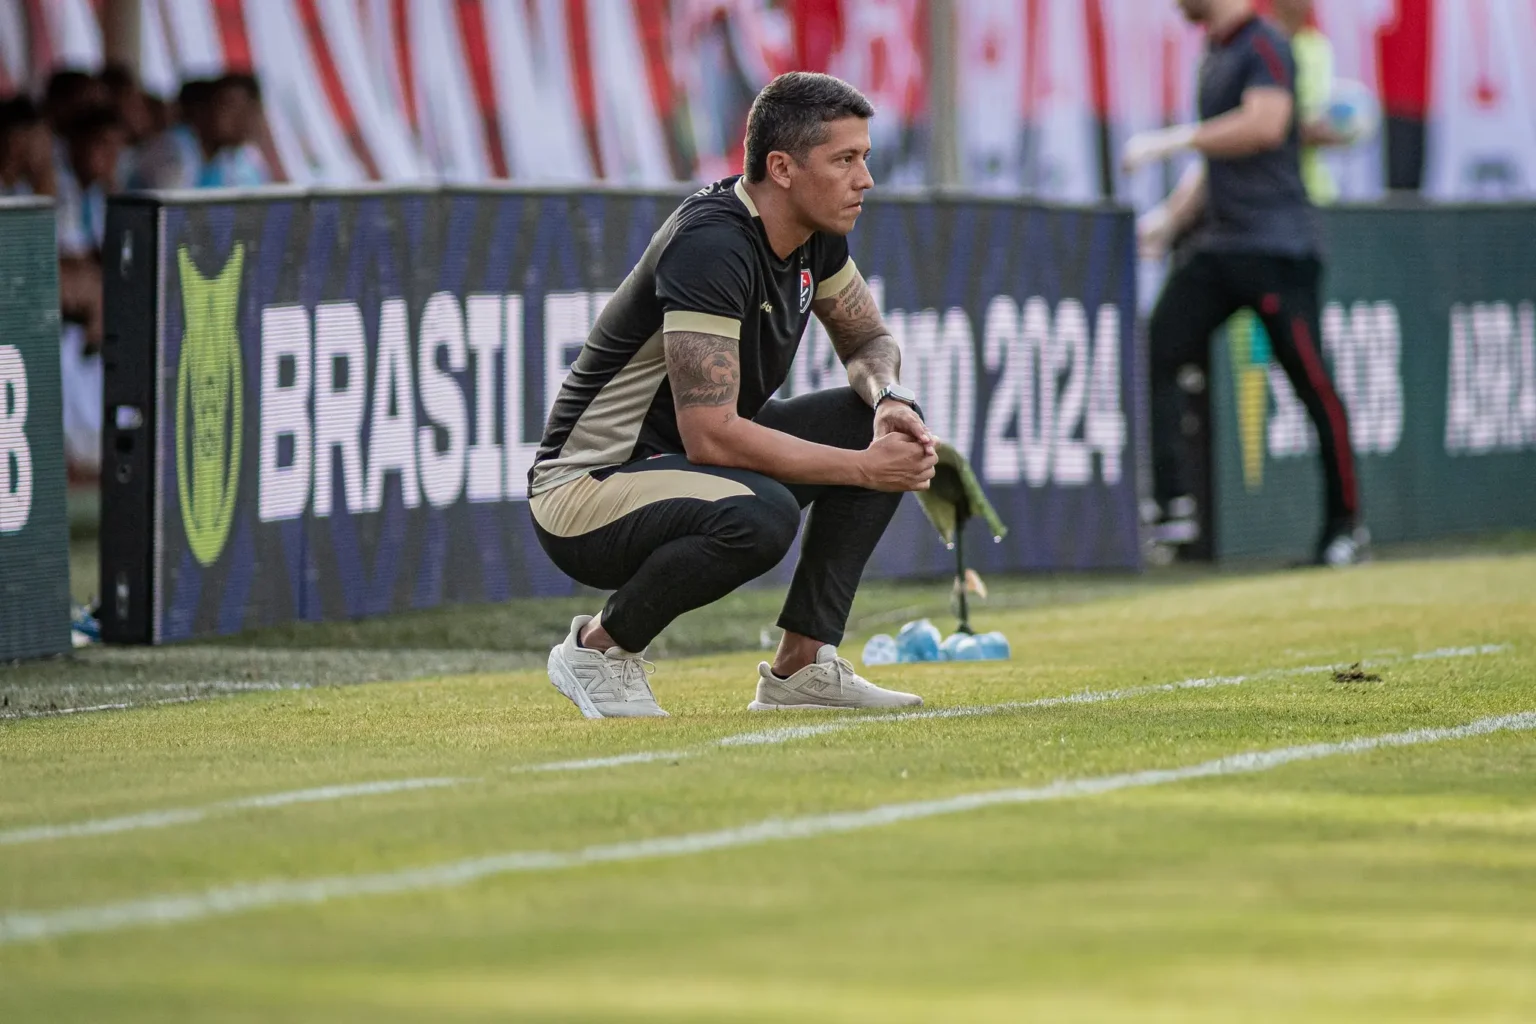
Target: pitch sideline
163, 910
170, 817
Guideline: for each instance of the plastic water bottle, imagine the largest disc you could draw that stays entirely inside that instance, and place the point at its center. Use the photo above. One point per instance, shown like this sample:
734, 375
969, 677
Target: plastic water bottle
918, 641
968, 648
950, 645
994, 646
881, 650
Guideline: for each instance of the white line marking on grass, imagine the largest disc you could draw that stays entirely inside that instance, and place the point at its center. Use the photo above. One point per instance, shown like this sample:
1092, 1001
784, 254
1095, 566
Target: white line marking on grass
53, 712
766, 737
104, 826
19, 927
212, 688
323, 793
605, 762
188, 815
791, 732
786, 734
1453, 652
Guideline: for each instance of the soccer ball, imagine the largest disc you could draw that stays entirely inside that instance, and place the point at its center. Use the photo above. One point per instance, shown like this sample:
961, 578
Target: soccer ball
1353, 111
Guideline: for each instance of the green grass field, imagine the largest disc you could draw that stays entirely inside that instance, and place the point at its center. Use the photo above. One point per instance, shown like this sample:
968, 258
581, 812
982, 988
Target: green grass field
698, 880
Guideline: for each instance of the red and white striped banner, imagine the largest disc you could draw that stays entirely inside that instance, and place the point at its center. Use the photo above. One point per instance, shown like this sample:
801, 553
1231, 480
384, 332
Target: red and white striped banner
651, 91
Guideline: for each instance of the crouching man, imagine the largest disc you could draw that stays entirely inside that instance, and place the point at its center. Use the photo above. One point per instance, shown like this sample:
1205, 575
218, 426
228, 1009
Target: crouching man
667, 473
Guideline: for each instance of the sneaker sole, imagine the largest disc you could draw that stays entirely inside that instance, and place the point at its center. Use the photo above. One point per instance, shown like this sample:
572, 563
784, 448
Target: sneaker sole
568, 685
1176, 533
760, 706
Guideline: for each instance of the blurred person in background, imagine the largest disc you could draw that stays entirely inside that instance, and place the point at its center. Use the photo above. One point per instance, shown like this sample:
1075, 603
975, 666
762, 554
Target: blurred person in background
133, 111
26, 150
130, 102
92, 145
1313, 54
162, 115
213, 145
243, 164
69, 93
92, 148
1252, 243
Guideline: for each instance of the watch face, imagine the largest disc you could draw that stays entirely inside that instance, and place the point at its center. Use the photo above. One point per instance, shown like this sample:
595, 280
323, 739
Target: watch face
904, 394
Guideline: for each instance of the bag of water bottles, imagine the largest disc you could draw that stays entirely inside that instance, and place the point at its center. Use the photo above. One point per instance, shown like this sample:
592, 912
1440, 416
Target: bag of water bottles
921, 641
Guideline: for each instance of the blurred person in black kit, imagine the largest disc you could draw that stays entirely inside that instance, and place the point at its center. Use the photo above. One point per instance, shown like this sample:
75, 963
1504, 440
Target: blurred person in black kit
1249, 239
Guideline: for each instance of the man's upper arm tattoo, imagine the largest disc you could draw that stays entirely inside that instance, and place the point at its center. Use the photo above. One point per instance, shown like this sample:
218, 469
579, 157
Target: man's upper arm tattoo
704, 369
851, 317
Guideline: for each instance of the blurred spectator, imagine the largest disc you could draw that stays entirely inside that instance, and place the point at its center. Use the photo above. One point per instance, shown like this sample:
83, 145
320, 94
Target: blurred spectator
162, 115
80, 304
130, 102
69, 93
26, 150
213, 146
93, 145
251, 165
190, 99
132, 108
1313, 54
90, 135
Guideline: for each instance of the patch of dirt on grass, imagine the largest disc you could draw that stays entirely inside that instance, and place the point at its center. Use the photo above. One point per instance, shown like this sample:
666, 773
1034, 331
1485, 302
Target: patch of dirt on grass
1355, 674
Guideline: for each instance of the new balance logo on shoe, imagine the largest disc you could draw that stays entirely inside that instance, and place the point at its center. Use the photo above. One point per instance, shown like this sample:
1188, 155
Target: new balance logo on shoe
829, 682
602, 685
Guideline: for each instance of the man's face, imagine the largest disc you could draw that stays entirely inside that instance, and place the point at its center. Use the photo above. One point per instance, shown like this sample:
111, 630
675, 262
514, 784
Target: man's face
229, 117
133, 109
828, 188
1196, 11
99, 155
35, 143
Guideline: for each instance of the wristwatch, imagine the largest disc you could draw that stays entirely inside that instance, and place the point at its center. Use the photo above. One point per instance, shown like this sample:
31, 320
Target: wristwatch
897, 392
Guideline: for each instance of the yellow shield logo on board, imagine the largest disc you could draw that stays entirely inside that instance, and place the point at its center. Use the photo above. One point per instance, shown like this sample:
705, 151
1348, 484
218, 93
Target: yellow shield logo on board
210, 399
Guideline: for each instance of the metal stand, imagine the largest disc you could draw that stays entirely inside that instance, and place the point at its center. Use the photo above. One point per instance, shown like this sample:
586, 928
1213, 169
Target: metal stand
965, 611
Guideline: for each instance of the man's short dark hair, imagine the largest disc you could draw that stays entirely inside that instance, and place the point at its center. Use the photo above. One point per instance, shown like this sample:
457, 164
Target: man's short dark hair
18, 114
68, 85
791, 115
119, 78
92, 122
244, 81
194, 93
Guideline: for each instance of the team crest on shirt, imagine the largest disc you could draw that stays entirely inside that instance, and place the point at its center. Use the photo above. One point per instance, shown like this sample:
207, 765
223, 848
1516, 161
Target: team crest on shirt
805, 290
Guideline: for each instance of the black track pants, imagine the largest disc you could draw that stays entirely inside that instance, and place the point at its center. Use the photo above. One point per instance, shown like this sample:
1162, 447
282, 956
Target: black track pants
1199, 297
668, 536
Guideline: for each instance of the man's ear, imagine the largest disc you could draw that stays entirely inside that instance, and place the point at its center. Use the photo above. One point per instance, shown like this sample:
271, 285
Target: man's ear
779, 166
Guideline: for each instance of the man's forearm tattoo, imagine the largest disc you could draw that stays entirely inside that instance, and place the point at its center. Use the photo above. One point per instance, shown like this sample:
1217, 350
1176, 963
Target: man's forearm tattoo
880, 355
704, 369
852, 319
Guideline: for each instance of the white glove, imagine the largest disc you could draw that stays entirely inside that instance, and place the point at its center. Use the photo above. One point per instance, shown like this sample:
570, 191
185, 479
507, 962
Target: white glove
1150, 147
1154, 233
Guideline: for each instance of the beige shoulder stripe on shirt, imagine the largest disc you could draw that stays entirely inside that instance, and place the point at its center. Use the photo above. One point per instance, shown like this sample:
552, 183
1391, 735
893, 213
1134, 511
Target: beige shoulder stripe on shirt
833, 286
701, 323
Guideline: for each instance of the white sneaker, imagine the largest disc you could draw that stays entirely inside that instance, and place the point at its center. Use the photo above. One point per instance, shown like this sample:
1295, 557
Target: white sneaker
1346, 548
828, 682
602, 685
